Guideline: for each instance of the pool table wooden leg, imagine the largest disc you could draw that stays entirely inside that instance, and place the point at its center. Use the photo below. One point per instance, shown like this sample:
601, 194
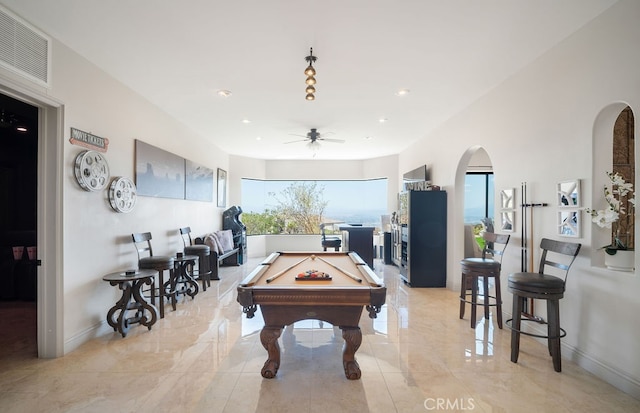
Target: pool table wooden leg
269, 338
352, 340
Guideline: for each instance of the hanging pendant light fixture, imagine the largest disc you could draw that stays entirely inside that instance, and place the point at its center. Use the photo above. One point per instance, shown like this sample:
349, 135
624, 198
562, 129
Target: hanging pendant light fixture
310, 72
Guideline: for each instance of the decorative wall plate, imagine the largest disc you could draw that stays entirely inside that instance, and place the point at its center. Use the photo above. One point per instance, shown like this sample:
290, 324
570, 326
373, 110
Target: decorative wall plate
92, 170
122, 194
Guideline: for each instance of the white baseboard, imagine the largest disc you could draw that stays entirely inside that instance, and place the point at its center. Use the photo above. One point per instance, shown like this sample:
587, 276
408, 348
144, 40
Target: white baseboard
84, 336
618, 379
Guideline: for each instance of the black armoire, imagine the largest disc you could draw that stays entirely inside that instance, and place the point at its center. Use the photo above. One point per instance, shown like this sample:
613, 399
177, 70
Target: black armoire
423, 228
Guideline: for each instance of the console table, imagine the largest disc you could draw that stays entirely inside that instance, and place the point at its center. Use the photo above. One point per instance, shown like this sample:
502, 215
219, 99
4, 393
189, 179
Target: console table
131, 282
359, 239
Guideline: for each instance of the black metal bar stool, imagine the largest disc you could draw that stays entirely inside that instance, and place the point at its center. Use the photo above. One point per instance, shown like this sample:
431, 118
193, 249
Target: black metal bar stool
475, 268
146, 260
542, 286
203, 252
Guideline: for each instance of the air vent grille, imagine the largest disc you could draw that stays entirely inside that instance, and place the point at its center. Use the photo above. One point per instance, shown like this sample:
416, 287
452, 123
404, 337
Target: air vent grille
23, 49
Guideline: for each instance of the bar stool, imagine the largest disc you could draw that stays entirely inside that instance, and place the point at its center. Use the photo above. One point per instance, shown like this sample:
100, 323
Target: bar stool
542, 286
475, 268
203, 252
146, 260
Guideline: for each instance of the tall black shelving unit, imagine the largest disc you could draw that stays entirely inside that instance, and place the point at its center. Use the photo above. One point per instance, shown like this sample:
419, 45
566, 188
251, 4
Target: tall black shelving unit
424, 239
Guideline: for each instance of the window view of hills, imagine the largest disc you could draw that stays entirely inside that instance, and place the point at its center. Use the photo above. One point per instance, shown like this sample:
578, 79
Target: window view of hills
298, 207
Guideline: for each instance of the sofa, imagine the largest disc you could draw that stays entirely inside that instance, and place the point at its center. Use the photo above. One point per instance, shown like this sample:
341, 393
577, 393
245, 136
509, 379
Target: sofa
223, 250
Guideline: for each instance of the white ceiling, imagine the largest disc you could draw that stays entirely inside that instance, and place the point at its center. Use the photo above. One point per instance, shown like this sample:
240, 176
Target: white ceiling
178, 54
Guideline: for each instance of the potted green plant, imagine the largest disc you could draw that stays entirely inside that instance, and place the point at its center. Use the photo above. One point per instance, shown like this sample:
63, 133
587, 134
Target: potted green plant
618, 216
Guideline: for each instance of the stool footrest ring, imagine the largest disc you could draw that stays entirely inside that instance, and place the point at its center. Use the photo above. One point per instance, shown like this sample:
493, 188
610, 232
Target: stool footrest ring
494, 304
509, 321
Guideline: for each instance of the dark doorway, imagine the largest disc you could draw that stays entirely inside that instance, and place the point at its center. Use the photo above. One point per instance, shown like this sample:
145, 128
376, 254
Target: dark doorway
18, 219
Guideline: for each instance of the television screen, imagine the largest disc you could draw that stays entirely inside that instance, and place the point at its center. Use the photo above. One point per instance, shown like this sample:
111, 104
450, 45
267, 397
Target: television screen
417, 175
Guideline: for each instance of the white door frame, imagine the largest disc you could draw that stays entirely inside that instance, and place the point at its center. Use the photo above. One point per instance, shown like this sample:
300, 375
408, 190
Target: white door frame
49, 216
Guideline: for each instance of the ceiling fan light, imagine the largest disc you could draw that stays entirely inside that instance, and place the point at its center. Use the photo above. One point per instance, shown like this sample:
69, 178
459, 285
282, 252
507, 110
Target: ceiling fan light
310, 89
310, 71
310, 96
311, 80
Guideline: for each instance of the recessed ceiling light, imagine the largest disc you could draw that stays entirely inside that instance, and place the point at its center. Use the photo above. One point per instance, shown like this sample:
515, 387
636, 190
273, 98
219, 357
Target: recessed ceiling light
224, 93
246, 121
259, 138
402, 92
382, 120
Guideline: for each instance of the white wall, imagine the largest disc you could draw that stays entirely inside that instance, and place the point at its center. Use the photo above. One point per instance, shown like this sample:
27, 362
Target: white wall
384, 167
538, 127
97, 240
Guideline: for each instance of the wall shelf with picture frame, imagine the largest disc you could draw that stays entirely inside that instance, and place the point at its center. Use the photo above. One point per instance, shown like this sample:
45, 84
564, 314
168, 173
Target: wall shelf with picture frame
568, 201
507, 209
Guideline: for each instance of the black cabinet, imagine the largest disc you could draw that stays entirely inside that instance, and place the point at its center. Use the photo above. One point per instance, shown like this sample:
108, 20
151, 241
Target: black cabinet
387, 249
423, 260
359, 239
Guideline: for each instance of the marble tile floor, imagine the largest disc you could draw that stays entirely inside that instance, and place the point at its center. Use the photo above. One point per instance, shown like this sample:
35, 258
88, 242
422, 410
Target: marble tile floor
418, 356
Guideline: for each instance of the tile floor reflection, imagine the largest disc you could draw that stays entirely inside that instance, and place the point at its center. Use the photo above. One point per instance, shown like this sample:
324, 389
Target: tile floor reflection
418, 356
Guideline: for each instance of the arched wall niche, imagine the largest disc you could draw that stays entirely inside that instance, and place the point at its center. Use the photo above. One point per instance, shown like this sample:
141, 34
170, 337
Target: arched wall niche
603, 147
469, 159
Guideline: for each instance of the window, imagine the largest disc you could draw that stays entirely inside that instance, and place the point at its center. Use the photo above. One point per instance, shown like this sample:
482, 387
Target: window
298, 207
478, 197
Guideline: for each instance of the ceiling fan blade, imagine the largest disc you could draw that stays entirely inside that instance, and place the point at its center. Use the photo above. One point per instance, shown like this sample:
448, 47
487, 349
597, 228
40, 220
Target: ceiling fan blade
332, 140
299, 140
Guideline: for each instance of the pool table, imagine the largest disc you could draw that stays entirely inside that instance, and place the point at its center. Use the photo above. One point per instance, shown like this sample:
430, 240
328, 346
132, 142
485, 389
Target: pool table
285, 288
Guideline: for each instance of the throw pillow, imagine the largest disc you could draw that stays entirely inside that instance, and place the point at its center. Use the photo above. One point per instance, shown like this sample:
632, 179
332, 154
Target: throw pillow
226, 239
212, 241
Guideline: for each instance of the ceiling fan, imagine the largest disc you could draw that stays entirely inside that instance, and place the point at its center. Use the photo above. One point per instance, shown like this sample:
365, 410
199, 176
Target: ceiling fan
313, 139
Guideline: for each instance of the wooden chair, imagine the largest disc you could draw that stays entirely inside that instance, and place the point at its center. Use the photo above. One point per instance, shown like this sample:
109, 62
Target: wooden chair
146, 260
473, 269
330, 241
204, 254
543, 286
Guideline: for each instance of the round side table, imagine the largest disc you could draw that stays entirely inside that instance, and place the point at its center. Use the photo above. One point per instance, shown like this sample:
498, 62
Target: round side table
131, 282
183, 268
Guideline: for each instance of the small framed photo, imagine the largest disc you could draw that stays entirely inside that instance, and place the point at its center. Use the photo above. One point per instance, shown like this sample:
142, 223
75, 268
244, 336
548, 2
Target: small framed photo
569, 223
568, 194
222, 188
507, 198
507, 223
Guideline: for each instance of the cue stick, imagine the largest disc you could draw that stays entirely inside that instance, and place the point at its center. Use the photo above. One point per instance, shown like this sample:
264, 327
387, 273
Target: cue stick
530, 308
523, 231
531, 238
348, 274
273, 277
